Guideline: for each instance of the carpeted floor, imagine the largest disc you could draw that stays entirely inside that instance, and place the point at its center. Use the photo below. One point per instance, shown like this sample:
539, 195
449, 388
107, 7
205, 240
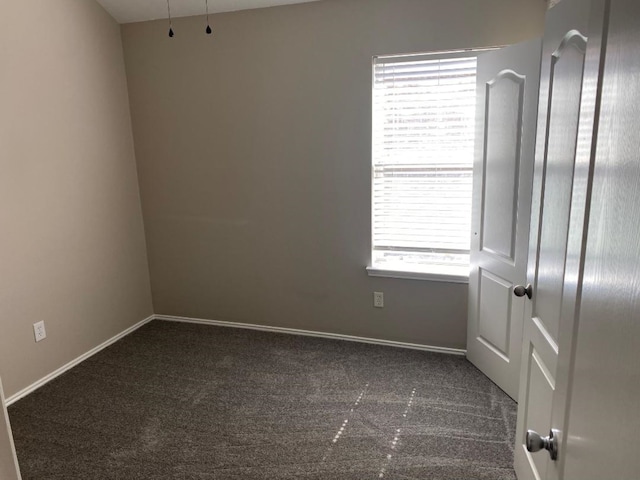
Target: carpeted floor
189, 401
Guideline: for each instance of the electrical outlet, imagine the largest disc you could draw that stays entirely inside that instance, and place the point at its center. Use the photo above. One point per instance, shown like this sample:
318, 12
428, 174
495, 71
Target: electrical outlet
39, 331
378, 299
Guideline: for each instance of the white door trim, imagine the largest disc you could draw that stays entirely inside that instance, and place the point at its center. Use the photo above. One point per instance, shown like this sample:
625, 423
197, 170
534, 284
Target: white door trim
8, 432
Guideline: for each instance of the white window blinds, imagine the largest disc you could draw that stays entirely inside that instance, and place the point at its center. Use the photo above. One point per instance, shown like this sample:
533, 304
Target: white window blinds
423, 144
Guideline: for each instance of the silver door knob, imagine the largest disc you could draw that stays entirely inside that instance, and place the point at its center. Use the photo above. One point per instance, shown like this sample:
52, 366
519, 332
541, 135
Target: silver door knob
520, 291
535, 442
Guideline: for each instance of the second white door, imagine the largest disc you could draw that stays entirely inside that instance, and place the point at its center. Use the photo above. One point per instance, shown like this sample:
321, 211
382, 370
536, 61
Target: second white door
507, 101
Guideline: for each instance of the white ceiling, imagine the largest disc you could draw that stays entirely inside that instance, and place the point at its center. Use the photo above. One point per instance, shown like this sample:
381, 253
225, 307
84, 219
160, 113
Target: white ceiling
128, 11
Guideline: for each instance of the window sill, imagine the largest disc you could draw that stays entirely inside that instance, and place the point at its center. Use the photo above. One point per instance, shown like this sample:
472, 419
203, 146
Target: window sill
431, 276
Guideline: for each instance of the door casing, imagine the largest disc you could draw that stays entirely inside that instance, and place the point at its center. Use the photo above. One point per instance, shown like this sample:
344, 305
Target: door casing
9, 469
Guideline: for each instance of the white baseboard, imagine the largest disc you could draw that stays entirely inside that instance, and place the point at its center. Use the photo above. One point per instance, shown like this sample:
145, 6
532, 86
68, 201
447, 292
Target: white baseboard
46, 379
309, 333
219, 323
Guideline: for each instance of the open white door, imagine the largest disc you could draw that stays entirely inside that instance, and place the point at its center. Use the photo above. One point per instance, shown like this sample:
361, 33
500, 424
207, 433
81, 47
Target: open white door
508, 81
569, 89
8, 460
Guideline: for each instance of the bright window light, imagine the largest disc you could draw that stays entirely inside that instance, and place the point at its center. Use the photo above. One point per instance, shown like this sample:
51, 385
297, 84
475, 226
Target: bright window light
423, 148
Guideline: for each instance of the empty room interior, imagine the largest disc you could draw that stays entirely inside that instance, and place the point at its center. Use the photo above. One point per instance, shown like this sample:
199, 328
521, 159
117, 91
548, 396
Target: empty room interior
319, 239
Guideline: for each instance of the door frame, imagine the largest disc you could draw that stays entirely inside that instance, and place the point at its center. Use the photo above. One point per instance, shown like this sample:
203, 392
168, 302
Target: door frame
8, 433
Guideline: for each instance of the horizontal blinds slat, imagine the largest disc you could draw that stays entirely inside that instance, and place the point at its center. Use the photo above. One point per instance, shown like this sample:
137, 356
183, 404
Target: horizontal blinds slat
443, 64
450, 62
423, 144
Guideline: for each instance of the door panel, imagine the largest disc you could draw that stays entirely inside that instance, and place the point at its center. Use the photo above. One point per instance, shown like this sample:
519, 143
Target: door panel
504, 112
495, 312
565, 86
558, 201
503, 170
557, 168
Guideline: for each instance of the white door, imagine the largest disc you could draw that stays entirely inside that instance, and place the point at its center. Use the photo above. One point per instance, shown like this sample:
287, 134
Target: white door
560, 195
507, 104
8, 461
604, 424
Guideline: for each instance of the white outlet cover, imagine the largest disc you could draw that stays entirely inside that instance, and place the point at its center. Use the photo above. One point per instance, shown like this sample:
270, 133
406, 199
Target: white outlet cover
39, 331
378, 299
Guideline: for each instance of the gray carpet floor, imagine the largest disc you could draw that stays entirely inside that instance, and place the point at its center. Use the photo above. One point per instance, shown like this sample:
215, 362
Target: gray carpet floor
189, 401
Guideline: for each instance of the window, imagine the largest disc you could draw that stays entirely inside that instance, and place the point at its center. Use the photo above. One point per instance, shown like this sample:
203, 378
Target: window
423, 148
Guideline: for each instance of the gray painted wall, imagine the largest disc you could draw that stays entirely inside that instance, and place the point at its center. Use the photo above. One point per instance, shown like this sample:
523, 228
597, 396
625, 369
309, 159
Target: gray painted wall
253, 150
72, 245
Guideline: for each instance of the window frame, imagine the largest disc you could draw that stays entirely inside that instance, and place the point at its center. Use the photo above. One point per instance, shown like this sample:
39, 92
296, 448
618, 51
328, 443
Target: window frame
436, 273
